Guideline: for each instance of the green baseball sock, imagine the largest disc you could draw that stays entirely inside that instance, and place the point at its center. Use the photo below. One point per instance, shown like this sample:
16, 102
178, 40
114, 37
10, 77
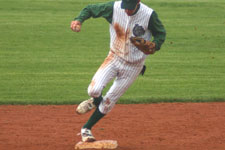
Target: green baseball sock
96, 116
98, 100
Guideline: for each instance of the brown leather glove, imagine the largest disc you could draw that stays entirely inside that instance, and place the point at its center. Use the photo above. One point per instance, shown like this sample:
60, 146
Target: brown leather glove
146, 47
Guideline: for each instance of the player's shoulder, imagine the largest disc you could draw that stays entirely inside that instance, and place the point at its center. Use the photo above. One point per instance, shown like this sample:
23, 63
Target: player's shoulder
146, 9
145, 6
117, 3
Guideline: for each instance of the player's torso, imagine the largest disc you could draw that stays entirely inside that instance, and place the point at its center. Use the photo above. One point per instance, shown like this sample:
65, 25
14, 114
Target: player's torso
123, 27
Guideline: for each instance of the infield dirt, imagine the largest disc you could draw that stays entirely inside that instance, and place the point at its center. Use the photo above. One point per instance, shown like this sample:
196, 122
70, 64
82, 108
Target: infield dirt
164, 126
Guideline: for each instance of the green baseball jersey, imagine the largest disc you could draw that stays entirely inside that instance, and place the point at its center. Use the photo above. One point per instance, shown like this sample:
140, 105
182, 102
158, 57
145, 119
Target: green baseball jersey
105, 10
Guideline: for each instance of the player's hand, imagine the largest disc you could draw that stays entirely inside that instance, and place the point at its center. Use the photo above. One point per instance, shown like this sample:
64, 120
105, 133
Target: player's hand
143, 45
75, 26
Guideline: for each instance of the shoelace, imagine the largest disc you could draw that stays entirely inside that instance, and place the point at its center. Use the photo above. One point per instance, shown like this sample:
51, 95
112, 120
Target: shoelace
86, 133
90, 105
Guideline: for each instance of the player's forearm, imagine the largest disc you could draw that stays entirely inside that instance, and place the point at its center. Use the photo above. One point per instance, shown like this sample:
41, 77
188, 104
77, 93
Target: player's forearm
97, 10
84, 15
159, 40
157, 29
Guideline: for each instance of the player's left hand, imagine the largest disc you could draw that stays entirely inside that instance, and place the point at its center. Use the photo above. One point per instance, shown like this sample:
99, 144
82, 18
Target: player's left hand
146, 47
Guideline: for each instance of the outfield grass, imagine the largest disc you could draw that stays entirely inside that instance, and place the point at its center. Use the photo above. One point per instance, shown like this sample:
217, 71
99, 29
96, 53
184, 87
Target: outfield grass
43, 62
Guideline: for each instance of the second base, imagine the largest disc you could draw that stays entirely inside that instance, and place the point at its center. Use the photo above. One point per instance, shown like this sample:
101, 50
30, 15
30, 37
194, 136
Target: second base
103, 144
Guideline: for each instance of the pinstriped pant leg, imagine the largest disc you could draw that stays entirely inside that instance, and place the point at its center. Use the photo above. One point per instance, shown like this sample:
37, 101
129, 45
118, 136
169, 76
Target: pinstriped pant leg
103, 76
119, 87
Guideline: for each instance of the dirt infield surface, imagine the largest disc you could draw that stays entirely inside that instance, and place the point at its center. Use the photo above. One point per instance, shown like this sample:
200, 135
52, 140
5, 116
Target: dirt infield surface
165, 126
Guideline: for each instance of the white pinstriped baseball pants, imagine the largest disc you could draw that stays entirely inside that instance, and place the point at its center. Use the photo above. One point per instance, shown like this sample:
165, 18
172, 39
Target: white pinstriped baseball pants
113, 68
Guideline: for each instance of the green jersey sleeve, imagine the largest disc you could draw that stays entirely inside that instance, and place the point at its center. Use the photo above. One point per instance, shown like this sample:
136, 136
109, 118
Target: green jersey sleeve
157, 29
104, 10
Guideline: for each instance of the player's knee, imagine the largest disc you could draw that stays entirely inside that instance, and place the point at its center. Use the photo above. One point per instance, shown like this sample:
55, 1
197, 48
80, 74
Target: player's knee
94, 92
106, 106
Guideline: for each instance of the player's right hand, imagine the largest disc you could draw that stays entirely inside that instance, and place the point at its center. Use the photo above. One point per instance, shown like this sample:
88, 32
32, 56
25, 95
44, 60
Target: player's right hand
75, 26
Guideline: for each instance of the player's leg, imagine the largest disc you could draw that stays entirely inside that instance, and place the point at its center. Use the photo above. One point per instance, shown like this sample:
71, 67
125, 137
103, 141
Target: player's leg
124, 79
106, 72
119, 87
104, 75
99, 81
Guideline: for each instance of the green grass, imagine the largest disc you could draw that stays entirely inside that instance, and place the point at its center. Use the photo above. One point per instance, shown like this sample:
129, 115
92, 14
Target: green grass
43, 62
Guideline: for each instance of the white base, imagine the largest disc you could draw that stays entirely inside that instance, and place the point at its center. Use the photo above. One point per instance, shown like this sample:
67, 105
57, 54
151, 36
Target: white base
103, 144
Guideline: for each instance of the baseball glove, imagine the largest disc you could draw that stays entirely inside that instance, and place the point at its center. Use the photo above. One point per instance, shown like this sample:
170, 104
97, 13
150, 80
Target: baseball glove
146, 47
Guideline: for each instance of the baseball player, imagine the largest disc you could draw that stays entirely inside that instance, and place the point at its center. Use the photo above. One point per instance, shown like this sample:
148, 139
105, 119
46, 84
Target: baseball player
132, 25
